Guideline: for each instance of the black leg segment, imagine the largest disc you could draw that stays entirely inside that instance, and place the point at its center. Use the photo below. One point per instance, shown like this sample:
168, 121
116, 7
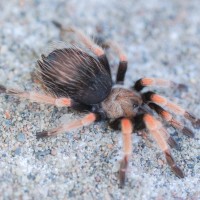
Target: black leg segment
104, 61
121, 72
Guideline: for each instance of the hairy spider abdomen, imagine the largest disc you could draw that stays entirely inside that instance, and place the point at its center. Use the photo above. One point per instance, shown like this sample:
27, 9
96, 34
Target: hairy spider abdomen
73, 73
121, 103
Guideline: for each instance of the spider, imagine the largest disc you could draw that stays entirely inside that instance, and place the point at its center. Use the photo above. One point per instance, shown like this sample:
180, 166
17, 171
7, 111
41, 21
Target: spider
80, 78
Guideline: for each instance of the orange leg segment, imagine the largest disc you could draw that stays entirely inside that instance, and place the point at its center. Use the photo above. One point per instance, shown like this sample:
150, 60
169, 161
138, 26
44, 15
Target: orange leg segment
97, 50
156, 130
158, 99
148, 82
36, 97
170, 119
127, 130
85, 121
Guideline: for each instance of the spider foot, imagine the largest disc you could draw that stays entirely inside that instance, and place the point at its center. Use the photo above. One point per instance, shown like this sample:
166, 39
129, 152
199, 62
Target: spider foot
57, 24
173, 143
122, 171
188, 132
178, 172
182, 87
2, 89
196, 124
41, 134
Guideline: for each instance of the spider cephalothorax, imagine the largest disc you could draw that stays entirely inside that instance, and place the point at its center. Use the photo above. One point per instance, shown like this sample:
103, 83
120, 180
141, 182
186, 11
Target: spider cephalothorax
121, 103
81, 78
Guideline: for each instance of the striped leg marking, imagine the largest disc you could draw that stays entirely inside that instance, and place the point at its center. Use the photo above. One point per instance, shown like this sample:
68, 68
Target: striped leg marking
156, 130
169, 118
158, 99
148, 82
36, 97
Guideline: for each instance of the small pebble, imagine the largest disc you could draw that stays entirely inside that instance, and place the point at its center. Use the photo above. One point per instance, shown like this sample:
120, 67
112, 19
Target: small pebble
110, 146
41, 154
7, 115
53, 152
8, 122
4, 155
190, 166
31, 177
161, 162
21, 137
97, 179
17, 151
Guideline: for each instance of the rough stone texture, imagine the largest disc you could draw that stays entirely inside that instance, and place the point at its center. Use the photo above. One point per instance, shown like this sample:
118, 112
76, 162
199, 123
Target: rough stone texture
161, 39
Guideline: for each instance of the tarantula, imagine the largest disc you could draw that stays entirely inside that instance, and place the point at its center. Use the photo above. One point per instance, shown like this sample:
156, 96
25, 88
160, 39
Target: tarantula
80, 78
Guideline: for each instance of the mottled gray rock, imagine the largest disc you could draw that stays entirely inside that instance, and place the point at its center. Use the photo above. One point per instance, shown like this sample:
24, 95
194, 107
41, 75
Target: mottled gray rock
160, 38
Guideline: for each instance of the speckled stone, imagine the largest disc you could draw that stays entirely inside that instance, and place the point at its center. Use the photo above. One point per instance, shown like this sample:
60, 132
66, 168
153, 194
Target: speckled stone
160, 39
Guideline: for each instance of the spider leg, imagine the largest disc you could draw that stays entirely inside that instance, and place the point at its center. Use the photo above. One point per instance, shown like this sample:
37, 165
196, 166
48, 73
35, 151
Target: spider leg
158, 99
115, 124
123, 63
97, 50
169, 118
157, 131
36, 97
159, 134
147, 82
85, 121
127, 129
139, 125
